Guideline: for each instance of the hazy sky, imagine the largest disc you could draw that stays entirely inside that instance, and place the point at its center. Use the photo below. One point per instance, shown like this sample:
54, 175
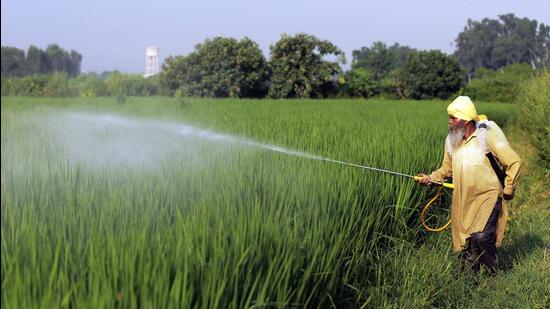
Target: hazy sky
114, 34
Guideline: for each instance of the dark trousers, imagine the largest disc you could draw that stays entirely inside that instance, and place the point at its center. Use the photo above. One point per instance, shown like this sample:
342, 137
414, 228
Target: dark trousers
481, 247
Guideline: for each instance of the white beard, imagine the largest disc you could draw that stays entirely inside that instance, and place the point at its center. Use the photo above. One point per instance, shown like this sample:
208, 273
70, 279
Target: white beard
455, 137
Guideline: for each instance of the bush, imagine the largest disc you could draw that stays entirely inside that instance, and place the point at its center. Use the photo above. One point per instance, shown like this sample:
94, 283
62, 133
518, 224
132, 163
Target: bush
534, 99
24, 86
499, 85
57, 85
131, 85
360, 83
89, 86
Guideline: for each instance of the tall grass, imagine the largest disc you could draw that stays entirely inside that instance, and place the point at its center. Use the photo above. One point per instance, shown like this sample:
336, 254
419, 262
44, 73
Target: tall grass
209, 224
534, 101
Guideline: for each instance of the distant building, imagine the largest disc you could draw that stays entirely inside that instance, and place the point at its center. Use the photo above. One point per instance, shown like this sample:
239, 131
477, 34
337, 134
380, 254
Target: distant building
151, 61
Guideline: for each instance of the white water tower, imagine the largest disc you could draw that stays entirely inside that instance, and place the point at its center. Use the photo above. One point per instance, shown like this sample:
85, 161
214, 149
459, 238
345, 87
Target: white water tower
151, 61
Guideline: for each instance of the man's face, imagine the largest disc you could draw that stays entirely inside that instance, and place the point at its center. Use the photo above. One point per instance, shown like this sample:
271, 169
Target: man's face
456, 132
455, 123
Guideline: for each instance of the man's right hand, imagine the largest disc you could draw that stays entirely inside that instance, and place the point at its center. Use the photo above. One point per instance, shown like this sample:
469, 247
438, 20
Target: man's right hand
508, 197
425, 180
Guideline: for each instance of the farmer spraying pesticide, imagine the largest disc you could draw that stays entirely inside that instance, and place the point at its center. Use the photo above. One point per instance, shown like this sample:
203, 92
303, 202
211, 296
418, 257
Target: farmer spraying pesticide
485, 170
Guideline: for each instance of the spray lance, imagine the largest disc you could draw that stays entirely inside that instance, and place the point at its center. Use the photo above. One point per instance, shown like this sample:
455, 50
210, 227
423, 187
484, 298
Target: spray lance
416, 178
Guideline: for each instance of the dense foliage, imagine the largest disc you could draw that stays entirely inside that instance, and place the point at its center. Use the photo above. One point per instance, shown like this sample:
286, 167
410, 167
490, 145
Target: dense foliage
131, 85
37, 61
380, 59
359, 83
502, 85
84, 85
299, 68
496, 43
219, 67
430, 74
534, 100
13, 62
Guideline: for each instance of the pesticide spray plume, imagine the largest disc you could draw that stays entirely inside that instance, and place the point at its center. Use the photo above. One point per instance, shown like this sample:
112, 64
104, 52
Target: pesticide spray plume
216, 136
103, 139
158, 128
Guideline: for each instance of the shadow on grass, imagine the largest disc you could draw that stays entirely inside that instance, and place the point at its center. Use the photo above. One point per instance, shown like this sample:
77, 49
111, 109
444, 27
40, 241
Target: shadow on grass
518, 249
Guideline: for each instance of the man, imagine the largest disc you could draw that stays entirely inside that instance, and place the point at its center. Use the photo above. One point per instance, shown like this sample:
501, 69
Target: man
476, 155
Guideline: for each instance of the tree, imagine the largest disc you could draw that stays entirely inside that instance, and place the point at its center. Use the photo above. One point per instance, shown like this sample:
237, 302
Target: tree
58, 58
517, 41
63, 61
75, 61
13, 61
540, 55
430, 74
380, 59
299, 69
219, 67
497, 43
37, 61
475, 44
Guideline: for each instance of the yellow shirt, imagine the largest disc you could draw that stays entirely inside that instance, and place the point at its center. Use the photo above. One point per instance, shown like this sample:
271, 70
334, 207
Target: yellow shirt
476, 185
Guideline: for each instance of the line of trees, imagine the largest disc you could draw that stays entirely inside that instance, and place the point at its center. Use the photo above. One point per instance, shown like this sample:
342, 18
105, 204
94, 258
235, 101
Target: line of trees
491, 52
15, 62
299, 67
492, 58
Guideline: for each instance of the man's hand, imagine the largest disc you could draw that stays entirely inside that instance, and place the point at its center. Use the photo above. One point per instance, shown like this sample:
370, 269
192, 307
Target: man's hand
508, 197
425, 180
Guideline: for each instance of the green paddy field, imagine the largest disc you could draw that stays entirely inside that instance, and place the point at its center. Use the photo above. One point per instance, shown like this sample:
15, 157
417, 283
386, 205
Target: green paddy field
162, 202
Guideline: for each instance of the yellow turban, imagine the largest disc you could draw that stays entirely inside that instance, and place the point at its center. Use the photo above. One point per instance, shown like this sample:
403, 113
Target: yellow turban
462, 108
